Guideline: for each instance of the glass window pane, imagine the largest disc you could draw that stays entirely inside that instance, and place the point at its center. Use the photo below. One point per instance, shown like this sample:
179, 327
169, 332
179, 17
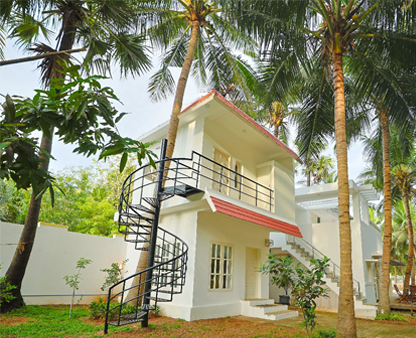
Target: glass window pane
212, 265
225, 252
217, 281
217, 270
224, 282
213, 250
218, 251
229, 268
230, 253
211, 284
224, 269
229, 279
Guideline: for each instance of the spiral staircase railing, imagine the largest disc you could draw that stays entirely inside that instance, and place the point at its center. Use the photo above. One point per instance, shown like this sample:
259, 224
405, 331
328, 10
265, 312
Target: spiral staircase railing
130, 300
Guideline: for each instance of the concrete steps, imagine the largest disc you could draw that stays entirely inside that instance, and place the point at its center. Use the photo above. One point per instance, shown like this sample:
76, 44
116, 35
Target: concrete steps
266, 309
362, 310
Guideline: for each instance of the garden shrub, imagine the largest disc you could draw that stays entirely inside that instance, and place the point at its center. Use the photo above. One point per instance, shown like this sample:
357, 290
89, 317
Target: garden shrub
98, 309
5, 290
396, 316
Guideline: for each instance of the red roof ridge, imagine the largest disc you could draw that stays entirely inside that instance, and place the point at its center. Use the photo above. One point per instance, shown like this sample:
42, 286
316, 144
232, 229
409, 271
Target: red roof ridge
236, 211
246, 117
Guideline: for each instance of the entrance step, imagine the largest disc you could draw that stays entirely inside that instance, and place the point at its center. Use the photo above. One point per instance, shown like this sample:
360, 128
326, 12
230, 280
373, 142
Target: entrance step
266, 309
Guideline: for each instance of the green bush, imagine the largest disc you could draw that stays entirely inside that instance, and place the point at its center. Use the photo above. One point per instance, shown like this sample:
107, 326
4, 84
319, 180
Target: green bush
98, 309
5, 290
325, 334
392, 316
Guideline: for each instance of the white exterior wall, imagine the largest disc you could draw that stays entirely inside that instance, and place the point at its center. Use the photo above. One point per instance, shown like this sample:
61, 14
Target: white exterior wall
325, 237
54, 255
284, 192
221, 229
182, 224
372, 238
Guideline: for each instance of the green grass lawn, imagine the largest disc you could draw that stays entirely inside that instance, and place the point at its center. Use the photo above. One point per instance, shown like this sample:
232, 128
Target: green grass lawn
52, 321
47, 321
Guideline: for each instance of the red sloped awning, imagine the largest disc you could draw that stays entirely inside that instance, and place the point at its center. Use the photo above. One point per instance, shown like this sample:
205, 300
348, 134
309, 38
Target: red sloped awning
235, 211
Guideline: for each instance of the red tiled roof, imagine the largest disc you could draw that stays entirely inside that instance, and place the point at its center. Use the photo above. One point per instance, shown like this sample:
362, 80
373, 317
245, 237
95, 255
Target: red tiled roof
246, 117
254, 217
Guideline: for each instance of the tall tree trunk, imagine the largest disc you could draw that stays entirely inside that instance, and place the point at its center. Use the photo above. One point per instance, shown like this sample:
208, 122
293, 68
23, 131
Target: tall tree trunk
411, 241
384, 302
18, 265
346, 326
180, 89
173, 130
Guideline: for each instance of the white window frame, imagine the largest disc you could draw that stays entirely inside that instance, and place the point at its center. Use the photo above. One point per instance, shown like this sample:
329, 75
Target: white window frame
225, 278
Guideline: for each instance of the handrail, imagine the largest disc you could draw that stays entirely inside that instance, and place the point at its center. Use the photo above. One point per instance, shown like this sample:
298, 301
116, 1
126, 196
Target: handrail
258, 192
155, 266
301, 242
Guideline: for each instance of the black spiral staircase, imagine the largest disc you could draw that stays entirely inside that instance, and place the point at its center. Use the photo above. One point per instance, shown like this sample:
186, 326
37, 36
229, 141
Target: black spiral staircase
138, 216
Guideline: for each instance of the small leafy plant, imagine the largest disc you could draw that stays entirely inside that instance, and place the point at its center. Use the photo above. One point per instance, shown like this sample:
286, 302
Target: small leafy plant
306, 284
396, 316
114, 274
98, 309
74, 280
5, 288
281, 270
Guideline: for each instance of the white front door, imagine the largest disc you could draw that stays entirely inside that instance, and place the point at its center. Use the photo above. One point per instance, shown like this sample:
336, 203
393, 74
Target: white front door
251, 273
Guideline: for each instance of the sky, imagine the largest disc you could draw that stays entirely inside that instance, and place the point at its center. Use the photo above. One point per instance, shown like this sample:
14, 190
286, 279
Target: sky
22, 79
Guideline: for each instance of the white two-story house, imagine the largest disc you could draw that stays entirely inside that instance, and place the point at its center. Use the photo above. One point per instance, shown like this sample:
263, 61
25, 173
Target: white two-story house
245, 178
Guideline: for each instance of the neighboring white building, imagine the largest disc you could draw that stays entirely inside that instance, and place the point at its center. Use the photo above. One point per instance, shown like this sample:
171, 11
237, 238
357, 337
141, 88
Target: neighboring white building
317, 218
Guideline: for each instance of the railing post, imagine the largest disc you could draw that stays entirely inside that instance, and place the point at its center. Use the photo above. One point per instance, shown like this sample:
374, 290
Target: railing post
240, 185
153, 234
176, 176
198, 172
108, 310
220, 178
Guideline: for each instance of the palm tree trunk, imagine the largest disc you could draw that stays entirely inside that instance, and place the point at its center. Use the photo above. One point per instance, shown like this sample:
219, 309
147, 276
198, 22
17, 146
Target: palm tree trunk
180, 89
411, 240
173, 130
18, 265
346, 326
384, 302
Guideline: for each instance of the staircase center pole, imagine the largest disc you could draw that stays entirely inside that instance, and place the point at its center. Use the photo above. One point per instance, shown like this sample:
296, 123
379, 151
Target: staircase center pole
153, 234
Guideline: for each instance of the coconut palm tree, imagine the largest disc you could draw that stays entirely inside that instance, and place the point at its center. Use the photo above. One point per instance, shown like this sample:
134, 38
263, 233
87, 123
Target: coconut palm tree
400, 232
395, 104
339, 30
106, 29
385, 140
404, 177
320, 168
195, 35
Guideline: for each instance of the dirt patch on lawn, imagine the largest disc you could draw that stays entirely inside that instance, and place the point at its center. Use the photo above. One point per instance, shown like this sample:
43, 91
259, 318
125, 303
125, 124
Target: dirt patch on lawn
221, 327
11, 321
